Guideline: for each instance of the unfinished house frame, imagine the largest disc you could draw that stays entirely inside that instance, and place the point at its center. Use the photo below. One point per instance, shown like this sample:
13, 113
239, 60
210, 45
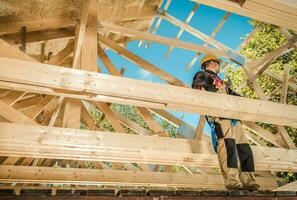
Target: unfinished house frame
45, 97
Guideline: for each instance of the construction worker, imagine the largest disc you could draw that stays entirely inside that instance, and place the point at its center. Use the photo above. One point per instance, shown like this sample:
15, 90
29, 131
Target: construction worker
234, 153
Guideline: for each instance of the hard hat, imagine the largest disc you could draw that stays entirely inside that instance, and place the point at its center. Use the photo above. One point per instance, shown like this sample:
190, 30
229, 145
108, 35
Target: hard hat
209, 57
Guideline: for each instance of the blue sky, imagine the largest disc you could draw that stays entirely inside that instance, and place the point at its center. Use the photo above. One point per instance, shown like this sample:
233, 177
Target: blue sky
205, 20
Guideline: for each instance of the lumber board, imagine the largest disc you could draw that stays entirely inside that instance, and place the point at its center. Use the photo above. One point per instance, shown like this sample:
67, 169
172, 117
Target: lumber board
22, 140
176, 98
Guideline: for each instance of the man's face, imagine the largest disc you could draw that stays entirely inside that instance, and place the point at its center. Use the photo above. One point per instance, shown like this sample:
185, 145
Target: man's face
215, 65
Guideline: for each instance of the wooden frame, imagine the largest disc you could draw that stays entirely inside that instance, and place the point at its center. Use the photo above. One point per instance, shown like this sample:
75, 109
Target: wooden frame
31, 134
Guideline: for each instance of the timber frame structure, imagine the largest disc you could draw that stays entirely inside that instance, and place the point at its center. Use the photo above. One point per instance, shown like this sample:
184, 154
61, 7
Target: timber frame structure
45, 97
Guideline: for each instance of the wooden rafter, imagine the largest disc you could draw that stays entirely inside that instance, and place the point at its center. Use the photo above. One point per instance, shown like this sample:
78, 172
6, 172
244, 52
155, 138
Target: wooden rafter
280, 13
183, 99
100, 146
114, 177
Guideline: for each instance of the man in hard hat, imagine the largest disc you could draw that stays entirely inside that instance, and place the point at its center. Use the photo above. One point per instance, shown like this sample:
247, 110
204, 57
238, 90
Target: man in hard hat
234, 153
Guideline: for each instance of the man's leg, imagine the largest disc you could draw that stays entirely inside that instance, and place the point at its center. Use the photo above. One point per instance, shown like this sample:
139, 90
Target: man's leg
246, 159
227, 154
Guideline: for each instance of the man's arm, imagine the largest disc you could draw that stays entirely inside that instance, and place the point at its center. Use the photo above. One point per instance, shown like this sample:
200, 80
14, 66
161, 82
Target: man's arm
199, 81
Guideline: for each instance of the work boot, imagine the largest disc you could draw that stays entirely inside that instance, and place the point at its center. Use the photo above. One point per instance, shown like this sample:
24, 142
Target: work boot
251, 187
248, 181
233, 185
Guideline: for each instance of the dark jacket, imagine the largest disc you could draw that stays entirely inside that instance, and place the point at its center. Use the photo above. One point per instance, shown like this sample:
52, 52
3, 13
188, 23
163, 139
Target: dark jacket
206, 79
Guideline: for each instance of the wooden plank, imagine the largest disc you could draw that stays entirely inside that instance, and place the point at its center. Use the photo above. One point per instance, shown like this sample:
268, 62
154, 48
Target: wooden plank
151, 122
180, 32
20, 140
140, 6
40, 35
285, 137
230, 52
265, 134
212, 35
71, 118
6, 50
281, 130
13, 115
87, 119
285, 84
158, 22
269, 10
33, 25
255, 14
81, 96
72, 112
254, 139
200, 128
141, 62
288, 35
178, 98
10, 161
67, 176
56, 111
89, 45
13, 97
288, 187
258, 66
161, 39
80, 34
110, 116
132, 125
39, 107
107, 62
289, 6
279, 79
60, 57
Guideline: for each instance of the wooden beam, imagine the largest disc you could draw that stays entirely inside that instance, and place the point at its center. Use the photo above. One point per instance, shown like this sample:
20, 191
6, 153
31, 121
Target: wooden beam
33, 25
260, 13
288, 187
20, 140
89, 45
39, 107
13, 115
40, 35
60, 57
157, 24
132, 125
71, 118
107, 62
212, 35
233, 55
143, 111
13, 97
180, 32
178, 98
200, 127
151, 122
281, 129
265, 134
80, 34
161, 39
285, 84
7, 50
87, 119
286, 137
141, 62
110, 116
23, 174
79, 95
258, 66
56, 111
